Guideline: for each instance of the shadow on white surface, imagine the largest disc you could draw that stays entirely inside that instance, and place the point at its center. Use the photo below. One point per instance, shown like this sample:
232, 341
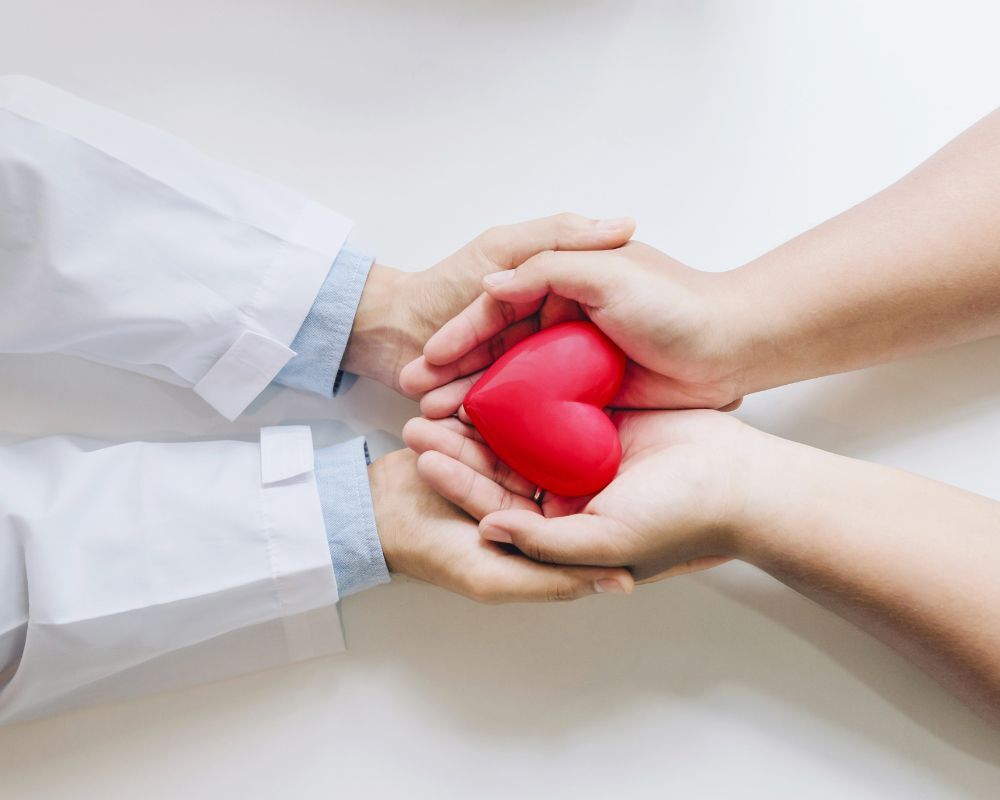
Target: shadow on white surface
742, 124
544, 673
727, 645
876, 410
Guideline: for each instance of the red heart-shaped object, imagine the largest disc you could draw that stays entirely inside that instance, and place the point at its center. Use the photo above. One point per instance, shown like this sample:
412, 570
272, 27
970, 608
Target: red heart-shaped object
541, 408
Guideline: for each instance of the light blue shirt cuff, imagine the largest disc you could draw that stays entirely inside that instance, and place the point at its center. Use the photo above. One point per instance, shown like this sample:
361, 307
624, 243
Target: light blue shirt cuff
320, 343
346, 500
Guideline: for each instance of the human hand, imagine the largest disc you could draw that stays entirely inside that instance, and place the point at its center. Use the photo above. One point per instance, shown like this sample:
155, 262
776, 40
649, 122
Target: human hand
677, 325
679, 502
698, 487
399, 311
426, 537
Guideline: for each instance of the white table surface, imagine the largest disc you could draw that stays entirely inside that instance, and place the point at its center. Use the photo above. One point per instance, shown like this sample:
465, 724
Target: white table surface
724, 128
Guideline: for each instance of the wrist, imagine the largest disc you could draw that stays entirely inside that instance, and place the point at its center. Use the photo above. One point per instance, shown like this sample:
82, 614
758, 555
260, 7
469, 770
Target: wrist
784, 483
797, 322
752, 327
376, 346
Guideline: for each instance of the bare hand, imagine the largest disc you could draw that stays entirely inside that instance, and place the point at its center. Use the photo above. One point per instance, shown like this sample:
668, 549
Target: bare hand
674, 507
675, 324
426, 537
399, 311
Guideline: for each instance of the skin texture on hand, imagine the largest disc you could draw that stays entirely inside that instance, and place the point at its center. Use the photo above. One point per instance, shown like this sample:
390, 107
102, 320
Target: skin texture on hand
675, 324
671, 508
426, 537
399, 311
910, 560
423, 535
914, 268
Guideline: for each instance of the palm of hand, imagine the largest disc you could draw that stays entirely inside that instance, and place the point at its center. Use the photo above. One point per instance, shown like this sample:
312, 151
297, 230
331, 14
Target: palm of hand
666, 511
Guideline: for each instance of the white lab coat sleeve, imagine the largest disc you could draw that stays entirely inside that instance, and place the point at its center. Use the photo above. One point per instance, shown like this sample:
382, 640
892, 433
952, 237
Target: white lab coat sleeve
140, 567
123, 245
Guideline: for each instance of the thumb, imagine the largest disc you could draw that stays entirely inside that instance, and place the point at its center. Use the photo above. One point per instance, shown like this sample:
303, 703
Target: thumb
582, 277
584, 539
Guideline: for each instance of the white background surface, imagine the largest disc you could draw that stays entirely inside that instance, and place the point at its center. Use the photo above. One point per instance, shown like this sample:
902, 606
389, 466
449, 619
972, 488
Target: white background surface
724, 128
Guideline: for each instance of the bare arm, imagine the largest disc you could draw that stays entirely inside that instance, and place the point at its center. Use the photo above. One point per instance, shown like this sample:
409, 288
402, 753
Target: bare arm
914, 268
912, 561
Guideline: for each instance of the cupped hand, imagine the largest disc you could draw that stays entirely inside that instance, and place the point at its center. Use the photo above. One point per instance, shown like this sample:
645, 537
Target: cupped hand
675, 506
677, 325
399, 311
426, 537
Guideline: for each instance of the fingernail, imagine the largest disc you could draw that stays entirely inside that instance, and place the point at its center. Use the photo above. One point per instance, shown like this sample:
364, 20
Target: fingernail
612, 224
495, 534
496, 278
608, 586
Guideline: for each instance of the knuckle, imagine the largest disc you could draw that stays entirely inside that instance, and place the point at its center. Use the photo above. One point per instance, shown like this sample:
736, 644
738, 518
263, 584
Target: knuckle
540, 264
509, 316
467, 488
475, 589
506, 501
532, 549
608, 551
560, 593
495, 346
569, 222
489, 238
460, 451
480, 586
500, 471
490, 246
486, 597
477, 596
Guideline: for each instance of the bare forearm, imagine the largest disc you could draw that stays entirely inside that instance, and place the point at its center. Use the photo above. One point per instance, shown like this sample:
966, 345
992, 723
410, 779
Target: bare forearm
911, 560
914, 268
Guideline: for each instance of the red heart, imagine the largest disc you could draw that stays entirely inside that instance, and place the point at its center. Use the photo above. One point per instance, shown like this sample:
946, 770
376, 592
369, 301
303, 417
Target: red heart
541, 408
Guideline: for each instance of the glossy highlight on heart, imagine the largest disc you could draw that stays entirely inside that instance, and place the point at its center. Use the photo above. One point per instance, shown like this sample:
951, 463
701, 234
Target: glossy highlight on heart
541, 408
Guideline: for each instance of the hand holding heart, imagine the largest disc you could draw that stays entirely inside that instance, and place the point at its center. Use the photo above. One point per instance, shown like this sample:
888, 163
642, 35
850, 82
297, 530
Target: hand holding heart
426, 537
398, 310
673, 323
681, 329
421, 534
676, 505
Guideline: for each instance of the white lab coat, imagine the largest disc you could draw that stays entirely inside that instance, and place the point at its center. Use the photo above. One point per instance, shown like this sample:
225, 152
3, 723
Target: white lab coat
138, 567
